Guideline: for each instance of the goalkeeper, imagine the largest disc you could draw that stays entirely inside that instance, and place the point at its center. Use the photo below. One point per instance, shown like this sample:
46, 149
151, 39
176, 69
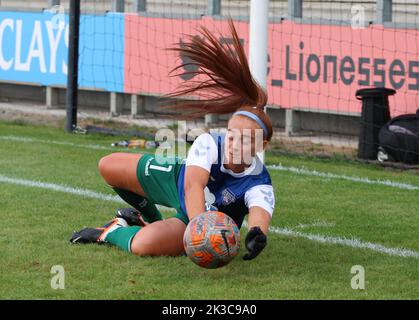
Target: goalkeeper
221, 172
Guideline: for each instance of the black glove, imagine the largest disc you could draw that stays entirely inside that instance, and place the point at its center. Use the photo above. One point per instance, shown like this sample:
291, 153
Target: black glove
255, 242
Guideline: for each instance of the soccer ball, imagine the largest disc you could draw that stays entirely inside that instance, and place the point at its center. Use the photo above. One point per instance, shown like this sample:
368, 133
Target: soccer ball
211, 239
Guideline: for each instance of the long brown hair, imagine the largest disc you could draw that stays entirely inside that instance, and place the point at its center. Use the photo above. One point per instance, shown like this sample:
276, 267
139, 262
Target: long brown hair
228, 85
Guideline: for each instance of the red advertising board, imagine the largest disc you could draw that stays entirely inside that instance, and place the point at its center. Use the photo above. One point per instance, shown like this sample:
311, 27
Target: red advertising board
311, 66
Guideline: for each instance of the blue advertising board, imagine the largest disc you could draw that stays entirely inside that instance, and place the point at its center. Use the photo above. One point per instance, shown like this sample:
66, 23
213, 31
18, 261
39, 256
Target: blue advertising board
34, 49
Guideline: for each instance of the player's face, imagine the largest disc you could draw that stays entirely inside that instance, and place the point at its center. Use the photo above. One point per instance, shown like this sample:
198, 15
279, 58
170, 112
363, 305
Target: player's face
244, 139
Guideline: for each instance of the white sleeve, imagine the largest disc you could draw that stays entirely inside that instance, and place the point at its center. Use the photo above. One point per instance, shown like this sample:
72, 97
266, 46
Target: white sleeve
261, 196
203, 152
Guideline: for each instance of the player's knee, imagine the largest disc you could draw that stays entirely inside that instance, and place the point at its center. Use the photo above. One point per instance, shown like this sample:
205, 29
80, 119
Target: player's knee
142, 248
103, 165
106, 167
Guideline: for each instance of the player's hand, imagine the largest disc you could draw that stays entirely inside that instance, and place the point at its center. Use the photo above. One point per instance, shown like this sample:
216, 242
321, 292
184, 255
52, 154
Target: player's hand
255, 241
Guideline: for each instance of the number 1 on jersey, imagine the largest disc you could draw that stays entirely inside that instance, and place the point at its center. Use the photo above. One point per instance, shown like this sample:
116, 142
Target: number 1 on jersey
160, 168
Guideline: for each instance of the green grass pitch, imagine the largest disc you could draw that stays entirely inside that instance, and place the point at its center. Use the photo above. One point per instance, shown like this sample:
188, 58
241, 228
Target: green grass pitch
37, 223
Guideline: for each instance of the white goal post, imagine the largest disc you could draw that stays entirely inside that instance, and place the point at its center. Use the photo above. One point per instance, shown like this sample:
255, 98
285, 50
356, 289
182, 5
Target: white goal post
258, 44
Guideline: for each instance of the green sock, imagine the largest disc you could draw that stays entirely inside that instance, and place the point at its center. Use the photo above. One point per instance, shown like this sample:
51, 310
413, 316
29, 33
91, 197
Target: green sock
148, 210
122, 237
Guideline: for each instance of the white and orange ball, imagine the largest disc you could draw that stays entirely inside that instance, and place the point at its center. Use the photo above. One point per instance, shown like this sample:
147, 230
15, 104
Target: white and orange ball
212, 239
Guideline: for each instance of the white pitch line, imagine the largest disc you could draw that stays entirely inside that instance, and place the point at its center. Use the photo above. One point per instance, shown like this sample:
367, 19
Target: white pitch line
348, 242
60, 143
354, 243
329, 175
60, 188
279, 167
66, 189
319, 224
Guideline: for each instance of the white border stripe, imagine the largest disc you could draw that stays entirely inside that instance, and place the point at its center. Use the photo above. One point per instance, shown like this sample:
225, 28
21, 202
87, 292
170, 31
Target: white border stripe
329, 175
354, 243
